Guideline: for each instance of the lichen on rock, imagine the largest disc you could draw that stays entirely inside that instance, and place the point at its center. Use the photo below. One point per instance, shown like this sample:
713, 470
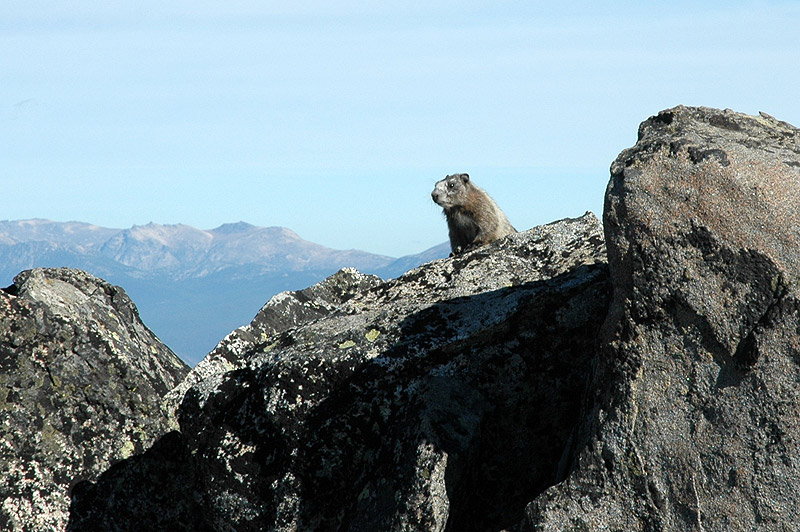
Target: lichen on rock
81, 383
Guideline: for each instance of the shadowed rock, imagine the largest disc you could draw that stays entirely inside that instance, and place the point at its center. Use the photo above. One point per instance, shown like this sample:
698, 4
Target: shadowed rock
442, 400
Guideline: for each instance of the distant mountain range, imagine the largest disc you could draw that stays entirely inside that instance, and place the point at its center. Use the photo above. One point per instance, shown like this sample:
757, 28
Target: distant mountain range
192, 286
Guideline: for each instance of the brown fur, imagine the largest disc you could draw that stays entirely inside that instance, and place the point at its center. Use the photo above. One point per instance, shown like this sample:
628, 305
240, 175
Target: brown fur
473, 218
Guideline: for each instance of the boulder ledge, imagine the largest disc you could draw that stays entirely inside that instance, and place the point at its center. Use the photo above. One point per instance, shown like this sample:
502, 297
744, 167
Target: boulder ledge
640, 376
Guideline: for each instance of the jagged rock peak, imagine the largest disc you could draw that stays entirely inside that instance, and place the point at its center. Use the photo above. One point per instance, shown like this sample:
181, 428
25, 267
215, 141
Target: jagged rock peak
230, 228
81, 385
283, 311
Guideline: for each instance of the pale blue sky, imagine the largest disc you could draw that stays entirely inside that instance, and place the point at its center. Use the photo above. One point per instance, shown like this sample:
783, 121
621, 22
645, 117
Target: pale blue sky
335, 118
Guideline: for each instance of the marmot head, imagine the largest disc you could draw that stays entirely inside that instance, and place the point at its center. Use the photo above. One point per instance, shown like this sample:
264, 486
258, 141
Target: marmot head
451, 191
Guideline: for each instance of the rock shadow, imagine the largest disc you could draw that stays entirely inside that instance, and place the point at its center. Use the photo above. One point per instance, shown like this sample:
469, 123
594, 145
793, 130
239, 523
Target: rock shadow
456, 426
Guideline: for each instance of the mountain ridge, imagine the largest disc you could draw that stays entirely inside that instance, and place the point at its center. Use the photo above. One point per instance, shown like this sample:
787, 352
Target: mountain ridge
192, 286
177, 248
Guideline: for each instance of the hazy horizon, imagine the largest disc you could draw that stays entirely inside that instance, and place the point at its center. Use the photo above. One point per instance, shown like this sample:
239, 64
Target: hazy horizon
334, 119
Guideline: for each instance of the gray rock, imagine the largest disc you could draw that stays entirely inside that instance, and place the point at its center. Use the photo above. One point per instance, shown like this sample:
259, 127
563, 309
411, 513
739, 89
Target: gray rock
693, 419
282, 312
81, 383
441, 400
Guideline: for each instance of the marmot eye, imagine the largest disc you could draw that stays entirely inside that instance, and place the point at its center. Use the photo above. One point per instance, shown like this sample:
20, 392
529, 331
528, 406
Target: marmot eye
451, 185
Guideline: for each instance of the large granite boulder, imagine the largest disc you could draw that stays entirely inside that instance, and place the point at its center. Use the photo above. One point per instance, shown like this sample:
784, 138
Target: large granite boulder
81, 386
441, 400
693, 419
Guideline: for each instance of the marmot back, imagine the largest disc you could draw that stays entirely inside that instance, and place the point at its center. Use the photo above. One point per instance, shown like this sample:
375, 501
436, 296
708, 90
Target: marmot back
473, 218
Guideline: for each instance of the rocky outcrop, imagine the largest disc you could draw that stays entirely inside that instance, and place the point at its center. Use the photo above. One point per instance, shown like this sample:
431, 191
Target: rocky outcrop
530, 385
81, 383
442, 400
694, 418
282, 312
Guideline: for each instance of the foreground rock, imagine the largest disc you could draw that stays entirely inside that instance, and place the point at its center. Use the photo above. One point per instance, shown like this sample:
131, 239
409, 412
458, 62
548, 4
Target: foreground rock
442, 400
81, 382
694, 421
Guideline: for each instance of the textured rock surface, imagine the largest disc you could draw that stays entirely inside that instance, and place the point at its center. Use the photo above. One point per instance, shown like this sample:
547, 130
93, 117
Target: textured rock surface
694, 418
442, 400
284, 311
81, 382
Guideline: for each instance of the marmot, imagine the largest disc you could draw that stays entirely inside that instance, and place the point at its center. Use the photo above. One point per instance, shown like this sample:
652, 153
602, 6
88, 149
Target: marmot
473, 218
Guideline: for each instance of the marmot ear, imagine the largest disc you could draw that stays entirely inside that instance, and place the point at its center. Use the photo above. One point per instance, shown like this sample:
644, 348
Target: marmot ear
464, 177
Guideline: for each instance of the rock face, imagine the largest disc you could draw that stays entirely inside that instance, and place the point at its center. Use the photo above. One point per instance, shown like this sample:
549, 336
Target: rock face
81, 383
442, 400
694, 417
